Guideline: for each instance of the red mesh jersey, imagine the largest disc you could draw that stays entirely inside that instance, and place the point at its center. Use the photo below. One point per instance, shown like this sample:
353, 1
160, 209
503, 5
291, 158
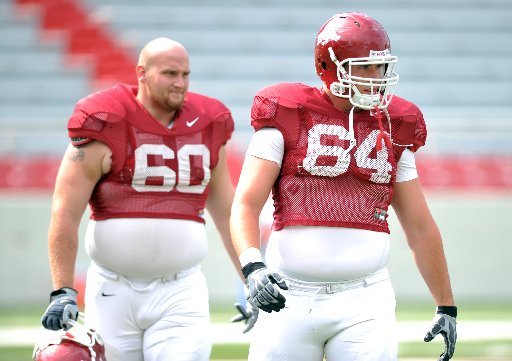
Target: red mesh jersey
156, 172
321, 183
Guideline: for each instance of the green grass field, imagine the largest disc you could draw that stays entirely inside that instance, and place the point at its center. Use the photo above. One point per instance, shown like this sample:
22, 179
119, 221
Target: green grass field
499, 349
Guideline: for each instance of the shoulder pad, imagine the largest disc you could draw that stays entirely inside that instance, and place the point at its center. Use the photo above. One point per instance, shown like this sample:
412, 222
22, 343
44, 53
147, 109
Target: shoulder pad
94, 112
411, 130
283, 97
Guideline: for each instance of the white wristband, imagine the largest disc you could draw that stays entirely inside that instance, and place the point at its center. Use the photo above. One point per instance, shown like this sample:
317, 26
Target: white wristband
250, 255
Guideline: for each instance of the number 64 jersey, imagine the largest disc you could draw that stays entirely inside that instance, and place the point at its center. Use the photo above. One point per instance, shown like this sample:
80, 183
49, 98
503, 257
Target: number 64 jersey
156, 172
334, 173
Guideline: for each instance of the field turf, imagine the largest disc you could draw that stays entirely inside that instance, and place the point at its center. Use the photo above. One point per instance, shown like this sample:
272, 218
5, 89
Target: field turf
499, 349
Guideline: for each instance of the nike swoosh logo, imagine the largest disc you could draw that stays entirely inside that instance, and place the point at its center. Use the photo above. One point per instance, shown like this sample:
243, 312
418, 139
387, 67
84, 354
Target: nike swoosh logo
107, 294
191, 123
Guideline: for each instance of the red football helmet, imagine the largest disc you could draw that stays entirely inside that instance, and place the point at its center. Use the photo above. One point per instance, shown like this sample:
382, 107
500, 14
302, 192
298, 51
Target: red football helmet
76, 344
355, 39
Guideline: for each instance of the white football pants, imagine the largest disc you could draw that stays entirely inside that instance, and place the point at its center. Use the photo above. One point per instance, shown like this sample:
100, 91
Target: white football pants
352, 320
160, 320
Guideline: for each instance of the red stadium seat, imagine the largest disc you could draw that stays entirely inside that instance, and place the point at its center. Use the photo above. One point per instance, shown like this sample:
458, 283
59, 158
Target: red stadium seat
62, 15
87, 43
115, 66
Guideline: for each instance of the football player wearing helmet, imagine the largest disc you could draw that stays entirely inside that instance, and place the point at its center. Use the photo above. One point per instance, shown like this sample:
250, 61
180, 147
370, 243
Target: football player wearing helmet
148, 159
334, 159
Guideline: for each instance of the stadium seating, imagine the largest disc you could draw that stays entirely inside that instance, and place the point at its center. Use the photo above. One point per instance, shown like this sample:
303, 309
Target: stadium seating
453, 60
451, 55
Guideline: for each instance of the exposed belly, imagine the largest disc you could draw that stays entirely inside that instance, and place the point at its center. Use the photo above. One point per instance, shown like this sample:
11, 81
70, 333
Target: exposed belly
327, 253
146, 247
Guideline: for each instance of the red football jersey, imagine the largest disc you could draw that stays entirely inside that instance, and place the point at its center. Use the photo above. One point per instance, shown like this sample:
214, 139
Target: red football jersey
322, 181
156, 172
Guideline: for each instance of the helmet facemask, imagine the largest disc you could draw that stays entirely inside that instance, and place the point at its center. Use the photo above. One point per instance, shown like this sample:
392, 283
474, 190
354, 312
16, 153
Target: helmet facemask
381, 90
71, 344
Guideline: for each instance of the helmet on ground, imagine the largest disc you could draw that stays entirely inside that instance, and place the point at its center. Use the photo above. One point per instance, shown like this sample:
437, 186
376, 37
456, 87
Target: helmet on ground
76, 344
355, 39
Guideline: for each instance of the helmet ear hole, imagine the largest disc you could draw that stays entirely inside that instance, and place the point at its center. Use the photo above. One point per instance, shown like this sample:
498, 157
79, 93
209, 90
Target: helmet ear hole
323, 64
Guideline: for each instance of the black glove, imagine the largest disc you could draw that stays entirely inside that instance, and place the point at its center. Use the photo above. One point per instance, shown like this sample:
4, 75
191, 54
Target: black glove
248, 314
260, 282
62, 309
445, 323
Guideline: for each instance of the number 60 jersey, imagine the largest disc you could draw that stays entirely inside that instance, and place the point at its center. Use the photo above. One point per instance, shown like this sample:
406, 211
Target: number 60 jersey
334, 173
156, 172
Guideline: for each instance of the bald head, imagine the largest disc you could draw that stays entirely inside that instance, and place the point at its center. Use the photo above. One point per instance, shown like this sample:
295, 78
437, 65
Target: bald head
161, 47
163, 76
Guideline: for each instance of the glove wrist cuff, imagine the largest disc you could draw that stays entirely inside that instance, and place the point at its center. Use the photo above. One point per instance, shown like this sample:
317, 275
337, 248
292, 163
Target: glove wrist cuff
251, 267
447, 310
64, 291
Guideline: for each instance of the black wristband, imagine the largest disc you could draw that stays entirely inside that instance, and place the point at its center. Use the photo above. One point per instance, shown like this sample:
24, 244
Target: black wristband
251, 267
447, 310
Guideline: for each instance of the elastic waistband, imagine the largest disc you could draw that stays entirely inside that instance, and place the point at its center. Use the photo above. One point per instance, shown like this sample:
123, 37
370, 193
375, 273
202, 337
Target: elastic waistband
334, 287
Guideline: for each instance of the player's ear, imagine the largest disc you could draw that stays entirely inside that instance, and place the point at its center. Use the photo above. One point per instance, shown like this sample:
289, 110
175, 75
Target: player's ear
141, 73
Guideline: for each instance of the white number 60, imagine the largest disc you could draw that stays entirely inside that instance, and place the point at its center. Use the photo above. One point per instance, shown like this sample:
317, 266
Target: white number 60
143, 170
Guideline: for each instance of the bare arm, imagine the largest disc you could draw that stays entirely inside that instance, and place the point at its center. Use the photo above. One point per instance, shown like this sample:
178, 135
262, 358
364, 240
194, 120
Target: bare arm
254, 186
80, 170
424, 239
219, 203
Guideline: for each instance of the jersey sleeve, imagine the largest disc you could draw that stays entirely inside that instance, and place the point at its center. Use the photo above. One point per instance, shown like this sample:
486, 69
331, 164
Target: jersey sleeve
263, 111
94, 118
270, 109
76, 133
229, 125
222, 124
420, 132
412, 130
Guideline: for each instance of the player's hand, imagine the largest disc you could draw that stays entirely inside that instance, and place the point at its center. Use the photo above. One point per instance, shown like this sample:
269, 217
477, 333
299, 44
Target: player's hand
248, 314
444, 323
62, 309
262, 287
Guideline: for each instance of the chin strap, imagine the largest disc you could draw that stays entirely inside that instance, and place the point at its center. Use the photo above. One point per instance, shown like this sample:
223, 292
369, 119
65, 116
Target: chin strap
352, 137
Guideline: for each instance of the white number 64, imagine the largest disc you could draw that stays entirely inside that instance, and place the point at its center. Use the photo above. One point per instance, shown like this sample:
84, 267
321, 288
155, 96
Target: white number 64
380, 164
